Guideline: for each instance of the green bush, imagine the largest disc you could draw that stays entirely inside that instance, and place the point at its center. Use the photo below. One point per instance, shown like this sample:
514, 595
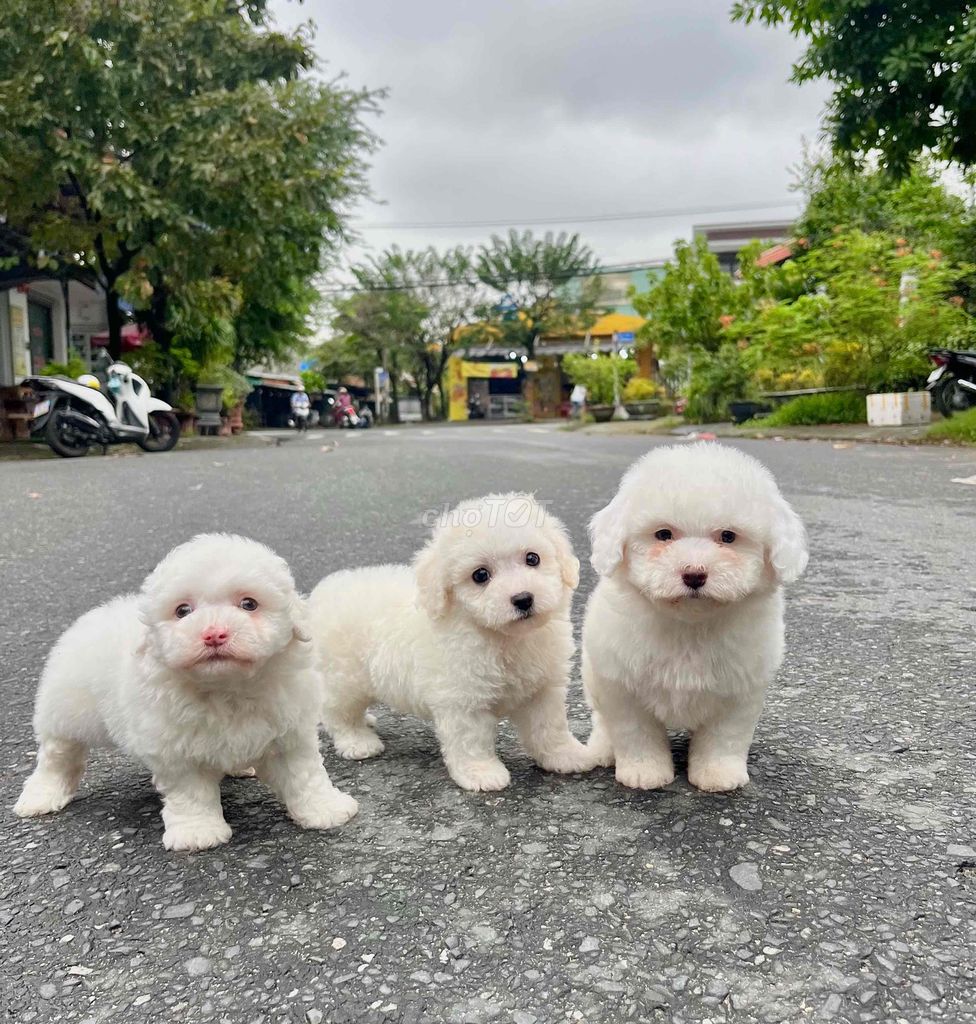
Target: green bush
808, 410
74, 367
596, 374
640, 389
717, 378
961, 427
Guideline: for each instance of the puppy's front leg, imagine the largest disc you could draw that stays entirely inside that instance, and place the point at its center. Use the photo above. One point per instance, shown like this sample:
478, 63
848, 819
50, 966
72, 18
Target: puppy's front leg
544, 731
719, 750
192, 816
292, 767
641, 748
467, 739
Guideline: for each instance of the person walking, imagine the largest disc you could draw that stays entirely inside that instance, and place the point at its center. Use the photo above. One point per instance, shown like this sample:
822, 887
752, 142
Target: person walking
577, 402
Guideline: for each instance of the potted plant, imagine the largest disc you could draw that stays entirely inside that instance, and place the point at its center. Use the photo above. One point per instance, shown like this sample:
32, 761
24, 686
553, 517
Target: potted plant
596, 373
642, 398
224, 389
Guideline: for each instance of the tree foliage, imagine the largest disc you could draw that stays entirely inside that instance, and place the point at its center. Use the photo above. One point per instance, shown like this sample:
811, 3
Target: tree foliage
597, 374
903, 73
540, 285
165, 144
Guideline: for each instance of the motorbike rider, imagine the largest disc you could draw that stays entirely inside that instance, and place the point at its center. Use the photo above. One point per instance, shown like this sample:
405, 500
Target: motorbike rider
343, 406
301, 409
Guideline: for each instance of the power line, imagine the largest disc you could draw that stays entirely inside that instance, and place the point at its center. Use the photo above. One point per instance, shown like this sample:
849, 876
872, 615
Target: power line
599, 218
597, 271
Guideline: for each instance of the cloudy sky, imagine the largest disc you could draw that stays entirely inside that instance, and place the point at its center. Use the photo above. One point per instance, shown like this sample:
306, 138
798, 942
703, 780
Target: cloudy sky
515, 110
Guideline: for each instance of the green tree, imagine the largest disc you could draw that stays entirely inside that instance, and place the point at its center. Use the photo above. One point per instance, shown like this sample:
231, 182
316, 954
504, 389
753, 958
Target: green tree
443, 283
686, 304
875, 307
165, 143
903, 73
546, 286
379, 327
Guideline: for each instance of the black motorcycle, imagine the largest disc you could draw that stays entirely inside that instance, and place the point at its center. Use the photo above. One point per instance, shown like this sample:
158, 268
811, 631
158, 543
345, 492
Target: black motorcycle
953, 381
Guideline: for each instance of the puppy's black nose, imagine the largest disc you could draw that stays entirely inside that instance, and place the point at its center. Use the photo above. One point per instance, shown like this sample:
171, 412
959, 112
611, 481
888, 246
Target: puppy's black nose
523, 601
695, 580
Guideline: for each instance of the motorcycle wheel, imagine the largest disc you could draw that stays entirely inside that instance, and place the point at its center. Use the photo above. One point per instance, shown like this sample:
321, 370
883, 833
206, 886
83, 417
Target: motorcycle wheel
62, 437
164, 432
949, 398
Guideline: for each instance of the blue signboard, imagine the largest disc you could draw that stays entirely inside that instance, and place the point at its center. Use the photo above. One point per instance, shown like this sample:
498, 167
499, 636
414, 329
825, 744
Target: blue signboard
625, 335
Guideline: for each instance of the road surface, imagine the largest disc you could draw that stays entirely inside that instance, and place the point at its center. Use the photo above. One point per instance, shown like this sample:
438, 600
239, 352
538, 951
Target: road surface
840, 885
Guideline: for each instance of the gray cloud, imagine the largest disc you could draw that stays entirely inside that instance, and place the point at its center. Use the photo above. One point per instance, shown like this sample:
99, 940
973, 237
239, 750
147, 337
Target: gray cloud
505, 110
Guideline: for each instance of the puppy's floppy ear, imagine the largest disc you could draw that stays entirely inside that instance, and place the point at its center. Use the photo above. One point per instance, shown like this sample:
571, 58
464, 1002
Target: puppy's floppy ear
787, 551
300, 628
608, 534
568, 562
432, 589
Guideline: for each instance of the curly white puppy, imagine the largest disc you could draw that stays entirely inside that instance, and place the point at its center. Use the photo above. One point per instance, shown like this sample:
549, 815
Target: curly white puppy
685, 628
208, 669
477, 630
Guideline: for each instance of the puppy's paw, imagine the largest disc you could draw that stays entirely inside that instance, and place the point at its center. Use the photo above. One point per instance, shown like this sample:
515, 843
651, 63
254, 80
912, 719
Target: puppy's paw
568, 758
719, 776
42, 798
358, 745
600, 753
645, 774
324, 810
196, 834
480, 776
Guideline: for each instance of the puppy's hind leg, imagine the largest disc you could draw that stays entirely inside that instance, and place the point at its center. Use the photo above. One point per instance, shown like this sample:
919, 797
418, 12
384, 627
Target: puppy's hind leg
55, 779
599, 743
344, 715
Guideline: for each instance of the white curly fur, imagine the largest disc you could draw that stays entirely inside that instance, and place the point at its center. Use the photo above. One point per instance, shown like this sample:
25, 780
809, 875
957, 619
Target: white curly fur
430, 641
659, 655
133, 674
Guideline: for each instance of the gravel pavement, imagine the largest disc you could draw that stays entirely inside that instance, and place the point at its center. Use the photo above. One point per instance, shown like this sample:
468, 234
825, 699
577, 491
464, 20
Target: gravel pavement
840, 885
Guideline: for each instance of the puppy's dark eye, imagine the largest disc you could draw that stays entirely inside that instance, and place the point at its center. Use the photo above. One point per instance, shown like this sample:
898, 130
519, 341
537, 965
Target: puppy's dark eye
663, 535
249, 604
532, 558
182, 610
481, 575
727, 536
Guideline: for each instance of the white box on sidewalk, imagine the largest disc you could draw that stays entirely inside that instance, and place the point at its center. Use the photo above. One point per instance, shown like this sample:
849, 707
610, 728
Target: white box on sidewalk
899, 409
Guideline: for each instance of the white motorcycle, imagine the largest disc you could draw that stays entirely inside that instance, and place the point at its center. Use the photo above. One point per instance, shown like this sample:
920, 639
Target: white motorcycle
75, 415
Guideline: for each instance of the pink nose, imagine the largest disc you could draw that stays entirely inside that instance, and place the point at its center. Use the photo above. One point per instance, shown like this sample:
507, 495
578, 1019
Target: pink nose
214, 637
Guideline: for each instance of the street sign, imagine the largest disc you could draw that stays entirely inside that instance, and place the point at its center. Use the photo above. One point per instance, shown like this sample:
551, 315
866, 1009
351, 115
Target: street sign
625, 336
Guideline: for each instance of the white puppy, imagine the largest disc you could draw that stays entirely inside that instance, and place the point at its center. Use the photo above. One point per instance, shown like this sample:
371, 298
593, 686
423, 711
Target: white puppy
207, 670
685, 628
477, 630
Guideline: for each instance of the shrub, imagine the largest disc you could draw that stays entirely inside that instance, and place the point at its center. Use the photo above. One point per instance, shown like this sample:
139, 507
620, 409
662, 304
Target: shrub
961, 427
74, 367
808, 410
640, 389
596, 374
717, 379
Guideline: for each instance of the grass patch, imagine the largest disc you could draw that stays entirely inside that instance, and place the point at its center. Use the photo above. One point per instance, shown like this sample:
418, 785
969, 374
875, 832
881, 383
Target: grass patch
960, 428
812, 410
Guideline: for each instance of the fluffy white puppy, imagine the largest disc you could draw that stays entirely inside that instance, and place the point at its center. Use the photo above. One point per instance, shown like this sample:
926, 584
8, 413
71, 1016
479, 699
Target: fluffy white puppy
477, 630
206, 670
685, 628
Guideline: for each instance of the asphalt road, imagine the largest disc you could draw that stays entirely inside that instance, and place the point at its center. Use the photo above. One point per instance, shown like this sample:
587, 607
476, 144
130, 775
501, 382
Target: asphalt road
841, 884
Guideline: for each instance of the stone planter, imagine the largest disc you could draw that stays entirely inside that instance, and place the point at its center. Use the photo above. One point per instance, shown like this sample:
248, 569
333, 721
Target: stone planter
648, 409
899, 409
209, 401
601, 413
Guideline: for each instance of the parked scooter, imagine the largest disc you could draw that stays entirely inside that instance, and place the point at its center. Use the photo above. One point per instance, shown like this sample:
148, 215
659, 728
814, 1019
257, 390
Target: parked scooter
75, 415
953, 381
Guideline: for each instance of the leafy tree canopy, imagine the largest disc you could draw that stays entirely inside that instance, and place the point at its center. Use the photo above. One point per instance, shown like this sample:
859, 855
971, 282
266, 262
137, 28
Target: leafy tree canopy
904, 74
539, 282
162, 143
